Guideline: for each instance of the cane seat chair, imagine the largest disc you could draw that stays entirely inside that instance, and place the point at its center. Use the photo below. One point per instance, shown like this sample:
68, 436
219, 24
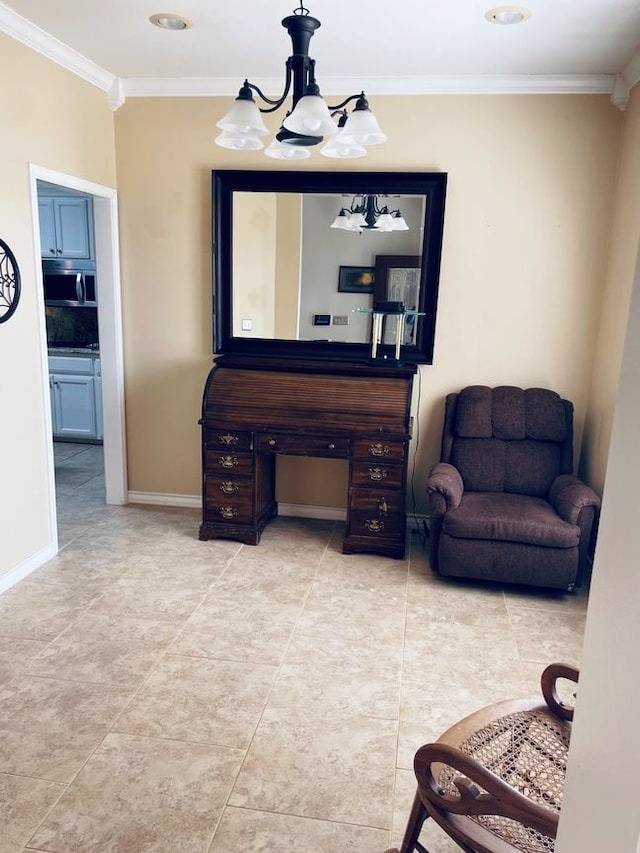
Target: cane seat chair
494, 781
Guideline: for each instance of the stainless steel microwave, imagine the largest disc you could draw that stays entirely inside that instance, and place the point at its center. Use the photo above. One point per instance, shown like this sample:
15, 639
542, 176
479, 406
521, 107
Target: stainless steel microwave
69, 283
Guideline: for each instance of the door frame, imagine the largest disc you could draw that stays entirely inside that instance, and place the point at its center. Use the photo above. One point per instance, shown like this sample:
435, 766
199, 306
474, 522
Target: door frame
105, 215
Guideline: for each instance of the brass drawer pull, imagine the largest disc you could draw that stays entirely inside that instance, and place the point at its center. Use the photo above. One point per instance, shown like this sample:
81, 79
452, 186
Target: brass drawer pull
228, 461
374, 525
228, 487
377, 474
228, 512
331, 446
228, 439
378, 449
272, 442
382, 506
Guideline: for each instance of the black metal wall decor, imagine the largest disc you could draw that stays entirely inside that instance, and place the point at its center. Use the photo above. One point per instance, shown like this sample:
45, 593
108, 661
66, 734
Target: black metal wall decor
9, 282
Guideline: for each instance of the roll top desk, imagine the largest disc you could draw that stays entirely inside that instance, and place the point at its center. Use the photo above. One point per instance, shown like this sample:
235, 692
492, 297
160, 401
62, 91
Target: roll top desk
253, 410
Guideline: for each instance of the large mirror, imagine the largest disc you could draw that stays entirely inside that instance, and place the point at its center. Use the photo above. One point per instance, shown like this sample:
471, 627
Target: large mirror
291, 280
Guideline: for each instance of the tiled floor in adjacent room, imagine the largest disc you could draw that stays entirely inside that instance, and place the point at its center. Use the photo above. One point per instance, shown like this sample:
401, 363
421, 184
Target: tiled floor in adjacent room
164, 694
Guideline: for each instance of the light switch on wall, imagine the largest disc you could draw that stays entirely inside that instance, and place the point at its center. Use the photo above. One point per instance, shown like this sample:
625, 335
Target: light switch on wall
247, 325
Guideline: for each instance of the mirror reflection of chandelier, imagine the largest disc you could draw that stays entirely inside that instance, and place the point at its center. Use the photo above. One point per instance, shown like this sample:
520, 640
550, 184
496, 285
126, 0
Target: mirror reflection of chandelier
368, 213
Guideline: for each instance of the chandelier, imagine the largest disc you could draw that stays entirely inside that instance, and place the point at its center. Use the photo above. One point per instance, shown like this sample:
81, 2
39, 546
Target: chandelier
367, 214
310, 119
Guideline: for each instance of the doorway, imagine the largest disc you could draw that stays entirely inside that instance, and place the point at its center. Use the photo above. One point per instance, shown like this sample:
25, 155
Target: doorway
109, 328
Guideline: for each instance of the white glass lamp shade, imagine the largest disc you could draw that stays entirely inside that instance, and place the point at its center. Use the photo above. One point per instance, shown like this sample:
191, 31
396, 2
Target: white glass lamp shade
341, 221
384, 222
243, 118
281, 151
238, 141
357, 220
343, 151
362, 128
311, 117
398, 222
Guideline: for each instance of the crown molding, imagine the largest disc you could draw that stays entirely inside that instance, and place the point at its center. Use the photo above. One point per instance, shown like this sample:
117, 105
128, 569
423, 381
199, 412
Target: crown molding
117, 89
582, 84
32, 36
625, 81
631, 71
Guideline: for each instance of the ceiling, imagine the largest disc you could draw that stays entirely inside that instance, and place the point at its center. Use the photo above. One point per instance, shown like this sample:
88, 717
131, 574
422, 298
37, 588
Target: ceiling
404, 46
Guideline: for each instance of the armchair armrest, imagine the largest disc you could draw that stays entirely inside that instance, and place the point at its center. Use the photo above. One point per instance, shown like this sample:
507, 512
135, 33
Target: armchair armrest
568, 495
445, 479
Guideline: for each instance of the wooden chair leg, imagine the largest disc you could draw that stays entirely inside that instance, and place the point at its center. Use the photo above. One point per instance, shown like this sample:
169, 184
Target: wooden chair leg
417, 817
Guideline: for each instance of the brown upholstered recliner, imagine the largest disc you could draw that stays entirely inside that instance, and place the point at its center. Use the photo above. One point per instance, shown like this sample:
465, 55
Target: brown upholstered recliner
504, 504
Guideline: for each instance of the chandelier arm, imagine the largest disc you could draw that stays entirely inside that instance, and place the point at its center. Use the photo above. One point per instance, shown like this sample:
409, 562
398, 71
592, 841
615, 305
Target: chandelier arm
276, 103
345, 102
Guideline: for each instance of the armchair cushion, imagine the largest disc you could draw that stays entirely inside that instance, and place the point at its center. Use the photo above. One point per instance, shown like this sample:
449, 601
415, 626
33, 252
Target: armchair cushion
503, 517
491, 465
510, 413
531, 466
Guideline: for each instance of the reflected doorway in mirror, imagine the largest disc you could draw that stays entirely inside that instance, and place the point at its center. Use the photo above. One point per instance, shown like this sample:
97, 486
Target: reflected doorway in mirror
398, 280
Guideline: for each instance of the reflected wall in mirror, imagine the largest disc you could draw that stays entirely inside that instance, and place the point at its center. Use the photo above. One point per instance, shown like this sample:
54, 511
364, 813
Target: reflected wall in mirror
277, 261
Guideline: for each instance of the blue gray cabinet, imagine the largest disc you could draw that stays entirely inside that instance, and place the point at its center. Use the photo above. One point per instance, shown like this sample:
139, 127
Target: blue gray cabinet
76, 397
66, 227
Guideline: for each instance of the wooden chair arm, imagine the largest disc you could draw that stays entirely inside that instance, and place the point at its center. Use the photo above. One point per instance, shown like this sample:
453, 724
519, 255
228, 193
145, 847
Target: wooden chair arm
550, 676
495, 798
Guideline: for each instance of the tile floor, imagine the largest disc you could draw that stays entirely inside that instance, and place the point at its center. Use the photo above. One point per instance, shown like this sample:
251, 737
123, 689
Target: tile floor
158, 693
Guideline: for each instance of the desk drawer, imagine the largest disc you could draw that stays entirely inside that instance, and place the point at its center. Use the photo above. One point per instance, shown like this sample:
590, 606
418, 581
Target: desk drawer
229, 512
371, 524
372, 474
227, 439
219, 490
238, 464
378, 501
228, 500
364, 448
303, 445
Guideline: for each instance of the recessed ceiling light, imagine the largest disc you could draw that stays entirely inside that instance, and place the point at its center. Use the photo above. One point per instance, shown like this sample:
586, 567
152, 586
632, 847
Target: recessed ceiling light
507, 15
169, 21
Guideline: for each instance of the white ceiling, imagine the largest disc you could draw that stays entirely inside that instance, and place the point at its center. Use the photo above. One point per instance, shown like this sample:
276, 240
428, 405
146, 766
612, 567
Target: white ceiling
381, 46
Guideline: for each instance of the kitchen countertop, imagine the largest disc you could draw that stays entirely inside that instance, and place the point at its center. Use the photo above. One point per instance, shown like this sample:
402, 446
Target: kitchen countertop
86, 351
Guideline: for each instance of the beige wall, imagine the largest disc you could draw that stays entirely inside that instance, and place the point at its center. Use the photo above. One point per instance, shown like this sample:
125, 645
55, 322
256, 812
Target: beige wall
529, 204
625, 230
288, 237
254, 259
52, 119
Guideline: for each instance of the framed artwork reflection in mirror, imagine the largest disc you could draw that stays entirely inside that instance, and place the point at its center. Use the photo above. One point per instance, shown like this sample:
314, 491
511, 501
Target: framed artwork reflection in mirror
356, 280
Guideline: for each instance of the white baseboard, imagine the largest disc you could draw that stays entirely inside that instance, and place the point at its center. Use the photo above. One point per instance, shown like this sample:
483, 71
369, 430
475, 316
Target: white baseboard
329, 513
159, 499
20, 572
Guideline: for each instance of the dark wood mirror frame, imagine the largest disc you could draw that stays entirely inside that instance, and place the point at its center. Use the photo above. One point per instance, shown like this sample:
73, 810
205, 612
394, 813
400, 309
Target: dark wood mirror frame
431, 185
